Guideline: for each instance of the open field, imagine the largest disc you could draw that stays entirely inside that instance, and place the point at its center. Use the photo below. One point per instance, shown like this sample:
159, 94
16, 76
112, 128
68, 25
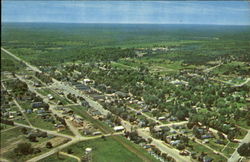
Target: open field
107, 150
57, 158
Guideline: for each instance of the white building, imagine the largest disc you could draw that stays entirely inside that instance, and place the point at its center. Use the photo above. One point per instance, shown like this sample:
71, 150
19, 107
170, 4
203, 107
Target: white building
118, 128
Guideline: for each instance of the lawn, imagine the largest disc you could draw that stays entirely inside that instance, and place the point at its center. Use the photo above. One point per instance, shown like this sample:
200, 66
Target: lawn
108, 150
10, 135
39, 122
215, 146
200, 148
55, 158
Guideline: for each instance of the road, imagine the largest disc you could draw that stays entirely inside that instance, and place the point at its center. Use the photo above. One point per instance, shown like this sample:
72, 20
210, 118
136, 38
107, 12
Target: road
232, 84
44, 130
147, 116
160, 145
70, 155
73, 129
210, 69
235, 156
21, 60
68, 89
57, 149
21, 109
241, 84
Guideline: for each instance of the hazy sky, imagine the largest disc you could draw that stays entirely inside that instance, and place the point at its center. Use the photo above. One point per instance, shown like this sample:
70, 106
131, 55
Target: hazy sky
153, 12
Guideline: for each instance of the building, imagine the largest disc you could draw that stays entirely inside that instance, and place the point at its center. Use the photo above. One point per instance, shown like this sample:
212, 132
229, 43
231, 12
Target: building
118, 128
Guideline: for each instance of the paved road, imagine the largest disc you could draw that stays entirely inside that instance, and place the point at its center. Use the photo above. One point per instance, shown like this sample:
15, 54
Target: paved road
173, 123
232, 84
241, 84
21, 60
147, 116
160, 145
21, 109
74, 141
70, 155
210, 69
68, 89
73, 129
235, 156
44, 130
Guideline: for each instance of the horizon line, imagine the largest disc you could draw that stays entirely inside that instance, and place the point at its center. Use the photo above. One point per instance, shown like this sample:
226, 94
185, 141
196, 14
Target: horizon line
125, 23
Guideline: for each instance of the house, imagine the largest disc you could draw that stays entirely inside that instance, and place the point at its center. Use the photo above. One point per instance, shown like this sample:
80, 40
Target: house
12, 113
121, 94
147, 146
206, 136
220, 142
162, 118
205, 141
87, 81
36, 84
37, 104
172, 119
96, 133
29, 111
139, 112
60, 127
118, 128
50, 97
174, 143
41, 111
207, 159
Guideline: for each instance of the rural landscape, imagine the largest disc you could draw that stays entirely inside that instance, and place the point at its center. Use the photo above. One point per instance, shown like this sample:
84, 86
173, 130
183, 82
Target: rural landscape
92, 92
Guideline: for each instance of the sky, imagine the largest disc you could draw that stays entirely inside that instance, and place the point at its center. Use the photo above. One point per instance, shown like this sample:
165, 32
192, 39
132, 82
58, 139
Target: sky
128, 12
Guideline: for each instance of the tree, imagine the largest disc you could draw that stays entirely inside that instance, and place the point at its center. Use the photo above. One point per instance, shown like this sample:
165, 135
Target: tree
24, 149
244, 149
49, 145
103, 137
181, 115
69, 151
24, 130
180, 146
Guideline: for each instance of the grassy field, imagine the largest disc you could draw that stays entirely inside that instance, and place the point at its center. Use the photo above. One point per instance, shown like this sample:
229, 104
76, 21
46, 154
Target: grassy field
56, 158
8, 63
108, 150
10, 135
39, 122
200, 148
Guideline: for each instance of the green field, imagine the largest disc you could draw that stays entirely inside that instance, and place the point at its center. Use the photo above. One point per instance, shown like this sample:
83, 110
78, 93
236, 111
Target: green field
57, 158
200, 148
8, 63
108, 150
